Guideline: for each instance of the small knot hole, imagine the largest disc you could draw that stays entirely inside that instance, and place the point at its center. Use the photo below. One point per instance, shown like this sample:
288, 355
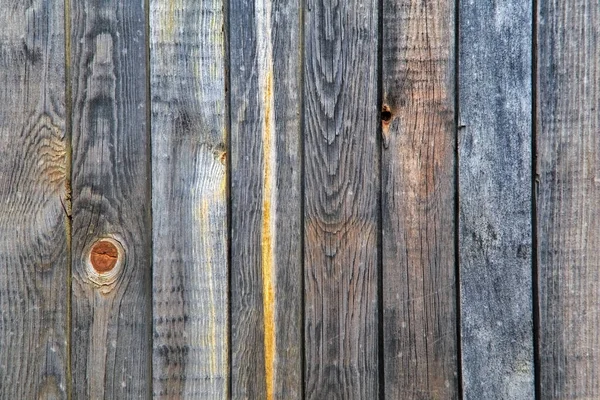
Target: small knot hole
386, 113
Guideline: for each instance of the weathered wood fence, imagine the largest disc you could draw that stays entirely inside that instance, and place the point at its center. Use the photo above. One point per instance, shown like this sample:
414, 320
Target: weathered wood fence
286, 199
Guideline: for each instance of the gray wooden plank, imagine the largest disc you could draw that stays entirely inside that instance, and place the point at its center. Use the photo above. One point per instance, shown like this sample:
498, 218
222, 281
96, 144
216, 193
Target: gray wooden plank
266, 258
342, 165
569, 218
419, 293
111, 312
495, 126
189, 200
34, 199
286, 200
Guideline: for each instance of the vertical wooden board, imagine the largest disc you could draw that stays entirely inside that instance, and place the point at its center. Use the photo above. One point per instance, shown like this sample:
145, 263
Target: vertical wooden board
495, 140
284, 292
111, 328
419, 293
569, 218
189, 196
266, 293
342, 164
34, 200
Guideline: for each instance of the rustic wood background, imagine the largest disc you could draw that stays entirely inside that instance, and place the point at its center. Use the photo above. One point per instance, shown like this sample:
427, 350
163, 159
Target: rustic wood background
320, 199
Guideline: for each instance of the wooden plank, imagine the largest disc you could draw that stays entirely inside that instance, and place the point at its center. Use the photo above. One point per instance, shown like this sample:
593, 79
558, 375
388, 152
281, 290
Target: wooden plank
569, 219
34, 198
495, 199
342, 165
266, 258
111, 332
189, 199
419, 293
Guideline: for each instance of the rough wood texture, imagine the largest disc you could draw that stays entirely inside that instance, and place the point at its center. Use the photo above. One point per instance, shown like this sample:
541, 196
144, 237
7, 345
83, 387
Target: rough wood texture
189, 199
266, 293
495, 199
342, 163
111, 328
568, 115
34, 198
419, 293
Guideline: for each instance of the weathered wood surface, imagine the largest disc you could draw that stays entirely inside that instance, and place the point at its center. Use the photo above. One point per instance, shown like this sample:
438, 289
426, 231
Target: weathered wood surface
495, 125
266, 258
112, 315
419, 291
34, 199
189, 196
568, 105
342, 163
284, 198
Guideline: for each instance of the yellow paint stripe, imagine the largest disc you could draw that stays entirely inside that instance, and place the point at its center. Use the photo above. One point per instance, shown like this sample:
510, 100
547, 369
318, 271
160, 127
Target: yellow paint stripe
267, 246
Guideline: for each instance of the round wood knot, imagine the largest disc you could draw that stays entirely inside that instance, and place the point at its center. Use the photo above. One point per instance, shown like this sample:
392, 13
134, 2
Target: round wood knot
105, 260
104, 256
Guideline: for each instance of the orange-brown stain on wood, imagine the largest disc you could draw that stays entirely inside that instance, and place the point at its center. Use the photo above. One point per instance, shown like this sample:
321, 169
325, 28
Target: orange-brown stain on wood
51, 149
104, 256
267, 246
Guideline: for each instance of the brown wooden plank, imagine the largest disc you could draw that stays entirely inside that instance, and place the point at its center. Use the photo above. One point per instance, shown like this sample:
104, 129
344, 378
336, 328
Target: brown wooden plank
419, 293
342, 163
495, 164
111, 328
189, 196
34, 199
568, 140
266, 248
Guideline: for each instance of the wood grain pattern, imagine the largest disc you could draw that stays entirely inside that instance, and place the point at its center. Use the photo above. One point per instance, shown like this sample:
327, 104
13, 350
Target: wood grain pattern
419, 293
189, 195
111, 328
342, 165
324, 187
266, 293
34, 199
495, 165
568, 214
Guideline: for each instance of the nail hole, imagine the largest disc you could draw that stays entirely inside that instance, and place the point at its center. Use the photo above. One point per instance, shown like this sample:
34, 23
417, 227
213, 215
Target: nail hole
104, 256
